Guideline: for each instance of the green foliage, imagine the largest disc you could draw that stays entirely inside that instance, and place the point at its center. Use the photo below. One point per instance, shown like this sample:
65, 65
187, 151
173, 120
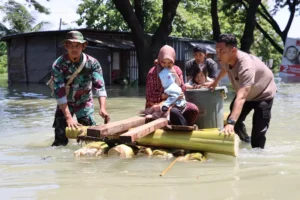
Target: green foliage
17, 16
101, 15
193, 20
4, 30
2, 48
3, 58
262, 47
279, 4
3, 64
235, 12
153, 14
19, 19
39, 7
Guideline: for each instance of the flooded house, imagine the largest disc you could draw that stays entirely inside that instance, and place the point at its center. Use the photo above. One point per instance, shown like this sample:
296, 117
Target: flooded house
30, 55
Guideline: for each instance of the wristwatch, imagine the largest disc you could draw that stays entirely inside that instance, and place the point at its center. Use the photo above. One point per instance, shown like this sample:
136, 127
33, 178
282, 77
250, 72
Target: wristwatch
231, 121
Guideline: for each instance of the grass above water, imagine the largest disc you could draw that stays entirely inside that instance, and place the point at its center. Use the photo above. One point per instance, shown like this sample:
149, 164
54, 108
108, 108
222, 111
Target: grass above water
3, 80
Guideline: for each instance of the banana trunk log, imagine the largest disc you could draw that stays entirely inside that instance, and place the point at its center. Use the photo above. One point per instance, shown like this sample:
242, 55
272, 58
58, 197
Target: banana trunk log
122, 151
92, 149
206, 140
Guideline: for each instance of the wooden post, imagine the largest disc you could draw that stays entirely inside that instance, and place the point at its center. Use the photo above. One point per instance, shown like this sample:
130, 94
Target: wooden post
143, 130
112, 128
170, 166
60, 22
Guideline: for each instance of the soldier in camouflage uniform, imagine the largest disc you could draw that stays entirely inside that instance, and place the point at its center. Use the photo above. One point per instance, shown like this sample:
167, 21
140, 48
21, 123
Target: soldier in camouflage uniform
79, 100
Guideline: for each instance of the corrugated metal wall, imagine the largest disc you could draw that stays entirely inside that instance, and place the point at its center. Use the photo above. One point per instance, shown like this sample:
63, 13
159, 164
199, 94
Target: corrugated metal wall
42, 50
40, 53
133, 70
102, 55
16, 60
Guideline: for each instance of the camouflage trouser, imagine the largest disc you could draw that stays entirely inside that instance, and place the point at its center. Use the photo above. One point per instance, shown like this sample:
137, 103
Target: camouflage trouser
84, 117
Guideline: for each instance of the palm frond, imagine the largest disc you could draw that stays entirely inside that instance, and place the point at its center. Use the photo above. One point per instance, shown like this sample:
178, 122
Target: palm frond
39, 26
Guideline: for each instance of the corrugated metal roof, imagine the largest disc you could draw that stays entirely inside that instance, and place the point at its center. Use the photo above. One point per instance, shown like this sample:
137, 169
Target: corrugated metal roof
86, 30
113, 43
210, 48
50, 32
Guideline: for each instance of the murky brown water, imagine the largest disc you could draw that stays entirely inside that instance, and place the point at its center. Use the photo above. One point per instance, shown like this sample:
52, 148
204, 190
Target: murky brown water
31, 169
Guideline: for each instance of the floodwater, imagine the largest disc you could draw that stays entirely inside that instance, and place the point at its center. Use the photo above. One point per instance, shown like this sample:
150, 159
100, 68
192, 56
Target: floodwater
31, 169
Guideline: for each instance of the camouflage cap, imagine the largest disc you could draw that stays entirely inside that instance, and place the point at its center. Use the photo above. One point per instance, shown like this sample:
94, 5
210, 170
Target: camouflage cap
74, 36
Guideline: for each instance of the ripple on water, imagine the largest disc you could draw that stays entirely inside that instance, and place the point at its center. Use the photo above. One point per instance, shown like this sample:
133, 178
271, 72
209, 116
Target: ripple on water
272, 150
25, 94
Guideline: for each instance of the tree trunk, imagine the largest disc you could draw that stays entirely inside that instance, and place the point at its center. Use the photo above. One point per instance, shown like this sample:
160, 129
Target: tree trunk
215, 19
264, 13
145, 60
292, 7
147, 51
138, 9
248, 36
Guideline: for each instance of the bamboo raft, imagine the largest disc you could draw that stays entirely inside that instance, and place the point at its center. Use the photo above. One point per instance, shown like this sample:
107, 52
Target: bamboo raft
136, 132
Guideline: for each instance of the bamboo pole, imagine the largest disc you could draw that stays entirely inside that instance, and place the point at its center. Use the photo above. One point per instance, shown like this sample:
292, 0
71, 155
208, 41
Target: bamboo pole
206, 140
73, 133
170, 166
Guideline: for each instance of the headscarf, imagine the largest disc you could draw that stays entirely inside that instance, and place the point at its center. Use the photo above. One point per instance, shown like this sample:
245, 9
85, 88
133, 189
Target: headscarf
165, 52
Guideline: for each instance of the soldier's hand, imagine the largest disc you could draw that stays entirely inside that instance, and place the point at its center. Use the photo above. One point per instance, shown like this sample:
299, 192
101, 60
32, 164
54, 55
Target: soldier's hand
72, 124
104, 115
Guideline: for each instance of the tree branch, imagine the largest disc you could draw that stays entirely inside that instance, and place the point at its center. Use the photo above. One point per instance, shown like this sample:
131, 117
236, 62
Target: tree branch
126, 10
165, 26
292, 8
248, 35
138, 8
215, 19
266, 35
269, 18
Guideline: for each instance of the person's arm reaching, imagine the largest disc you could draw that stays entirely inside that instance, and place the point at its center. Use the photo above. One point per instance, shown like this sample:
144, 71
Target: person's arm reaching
100, 92
246, 75
213, 85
